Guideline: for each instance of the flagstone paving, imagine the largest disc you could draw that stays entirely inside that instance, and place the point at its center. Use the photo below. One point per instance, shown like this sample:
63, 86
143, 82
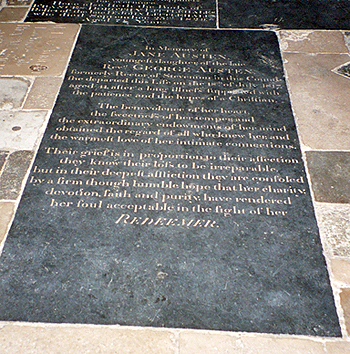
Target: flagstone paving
320, 99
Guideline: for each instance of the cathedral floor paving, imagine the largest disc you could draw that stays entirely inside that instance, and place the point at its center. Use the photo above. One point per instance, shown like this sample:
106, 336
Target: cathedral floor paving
33, 70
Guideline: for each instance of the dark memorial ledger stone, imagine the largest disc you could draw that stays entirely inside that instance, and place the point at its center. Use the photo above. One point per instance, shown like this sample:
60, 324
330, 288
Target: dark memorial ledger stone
169, 191
184, 13
287, 14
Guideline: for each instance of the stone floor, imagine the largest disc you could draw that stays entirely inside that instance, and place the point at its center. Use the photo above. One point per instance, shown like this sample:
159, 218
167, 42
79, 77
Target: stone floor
33, 60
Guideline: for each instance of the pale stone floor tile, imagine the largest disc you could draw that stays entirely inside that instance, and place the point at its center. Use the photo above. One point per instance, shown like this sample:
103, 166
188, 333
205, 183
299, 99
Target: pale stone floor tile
341, 270
12, 92
302, 41
329, 173
40, 49
320, 99
334, 225
345, 304
11, 178
265, 345
6, 213
13, 14
338, 347
25, 339
43, 93
19, 2
20, 130
208, 343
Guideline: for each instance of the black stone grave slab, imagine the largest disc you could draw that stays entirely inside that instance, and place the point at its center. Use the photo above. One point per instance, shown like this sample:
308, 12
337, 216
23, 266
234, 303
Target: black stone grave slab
287, 14
169, 191
183, 13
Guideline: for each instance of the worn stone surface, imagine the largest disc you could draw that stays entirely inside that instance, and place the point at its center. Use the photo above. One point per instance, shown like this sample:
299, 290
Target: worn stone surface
292, 14
175, 228
341, 270
12, 92
264, 345
17, 339
191, 13
6, 213
19, 2
208, 343
36, 49
21, 130
320, 99
329, 172
13, 14
43, 93
3, 156
311, 41
345, 304
338, 347
334, 222
12, 176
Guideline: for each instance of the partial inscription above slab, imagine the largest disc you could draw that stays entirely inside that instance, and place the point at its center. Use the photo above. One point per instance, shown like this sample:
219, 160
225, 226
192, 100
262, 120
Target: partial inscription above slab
287, 14
169, 191
36, 49
185, 13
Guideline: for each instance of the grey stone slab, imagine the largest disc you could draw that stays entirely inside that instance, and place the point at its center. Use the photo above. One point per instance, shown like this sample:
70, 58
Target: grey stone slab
3, 156
163, 192
15, 170
329, 172
12, 92
287, 14
188, 13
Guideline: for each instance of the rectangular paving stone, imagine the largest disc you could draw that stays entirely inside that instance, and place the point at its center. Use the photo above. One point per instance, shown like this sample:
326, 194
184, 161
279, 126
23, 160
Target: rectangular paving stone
189, 13
329, 173
208, 343
18, 2
292, 14
334, 222
265, 345
337, 347
11, 179
341, 270
12, 92
302, 41
36, 49
6, 213
320, 99
43, 93
13, 14
22, 339
21, 130
163, 192
345, 304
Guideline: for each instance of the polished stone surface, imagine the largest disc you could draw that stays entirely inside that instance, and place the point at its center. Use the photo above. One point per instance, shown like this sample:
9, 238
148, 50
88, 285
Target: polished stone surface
166, 223
189, 13
287, 14
329, 172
